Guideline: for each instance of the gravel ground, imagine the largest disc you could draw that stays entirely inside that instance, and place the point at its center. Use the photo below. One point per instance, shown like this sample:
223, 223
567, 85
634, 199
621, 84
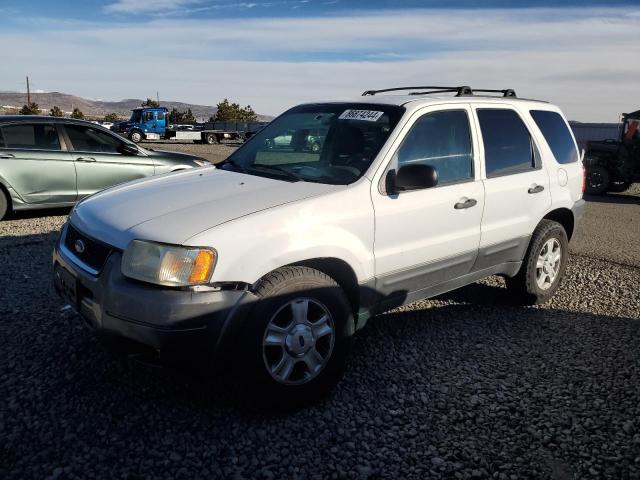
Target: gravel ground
214, 153
461, 386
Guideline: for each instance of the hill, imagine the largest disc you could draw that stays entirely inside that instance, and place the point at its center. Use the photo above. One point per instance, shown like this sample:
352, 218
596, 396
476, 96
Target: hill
10, 101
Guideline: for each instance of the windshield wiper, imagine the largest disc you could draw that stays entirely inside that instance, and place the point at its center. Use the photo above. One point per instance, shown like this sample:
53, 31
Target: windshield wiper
278, 170
235, 165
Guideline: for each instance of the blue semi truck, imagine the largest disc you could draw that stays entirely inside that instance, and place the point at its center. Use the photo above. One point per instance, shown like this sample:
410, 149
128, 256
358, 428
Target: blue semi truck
152, 123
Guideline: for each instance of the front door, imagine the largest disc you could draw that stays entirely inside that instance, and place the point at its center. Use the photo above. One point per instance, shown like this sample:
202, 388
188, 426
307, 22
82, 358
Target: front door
99, 161
150, 122
34, 163
426, 237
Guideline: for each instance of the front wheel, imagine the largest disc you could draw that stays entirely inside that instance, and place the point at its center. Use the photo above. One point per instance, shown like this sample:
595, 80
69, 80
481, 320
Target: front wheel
135, 136
4, 204
619, 186
298, 337
598, 180
543, 266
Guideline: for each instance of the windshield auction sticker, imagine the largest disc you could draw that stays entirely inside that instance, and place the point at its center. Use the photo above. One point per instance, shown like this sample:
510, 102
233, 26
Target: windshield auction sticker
364, 115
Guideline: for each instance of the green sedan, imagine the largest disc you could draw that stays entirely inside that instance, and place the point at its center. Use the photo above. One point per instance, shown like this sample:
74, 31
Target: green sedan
48, 162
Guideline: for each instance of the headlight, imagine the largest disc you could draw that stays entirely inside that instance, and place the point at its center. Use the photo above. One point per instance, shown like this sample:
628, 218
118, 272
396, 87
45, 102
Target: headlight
202, 162
169, 265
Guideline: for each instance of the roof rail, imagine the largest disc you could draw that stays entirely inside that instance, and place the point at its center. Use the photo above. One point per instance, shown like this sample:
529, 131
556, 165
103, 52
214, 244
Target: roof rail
462, 91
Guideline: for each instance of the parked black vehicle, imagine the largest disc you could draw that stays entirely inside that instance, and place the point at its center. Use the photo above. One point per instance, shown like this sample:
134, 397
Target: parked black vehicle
613, 165
50, 162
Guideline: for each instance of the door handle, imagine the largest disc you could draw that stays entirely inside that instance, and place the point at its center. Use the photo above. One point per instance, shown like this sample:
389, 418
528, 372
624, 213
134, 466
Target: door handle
85, 159
7, 155
535, 189
468, 203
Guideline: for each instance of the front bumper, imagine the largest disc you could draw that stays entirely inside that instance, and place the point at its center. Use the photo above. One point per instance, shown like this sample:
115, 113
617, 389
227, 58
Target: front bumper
170, 321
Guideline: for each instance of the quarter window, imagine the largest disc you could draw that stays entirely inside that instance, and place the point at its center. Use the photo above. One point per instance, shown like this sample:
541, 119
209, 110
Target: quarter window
36, 136
508, 147
443, 141
557, 135
88, 139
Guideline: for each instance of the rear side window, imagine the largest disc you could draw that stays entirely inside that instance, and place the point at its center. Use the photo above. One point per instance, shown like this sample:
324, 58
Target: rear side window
508, 147
88, 139
33, 136
557, 135
442, 140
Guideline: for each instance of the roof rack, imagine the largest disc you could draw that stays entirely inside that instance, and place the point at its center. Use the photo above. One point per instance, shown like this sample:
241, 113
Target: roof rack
463, 91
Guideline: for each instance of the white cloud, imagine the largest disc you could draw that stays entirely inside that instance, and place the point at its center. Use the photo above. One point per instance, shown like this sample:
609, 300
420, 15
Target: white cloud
578, 58
141, 6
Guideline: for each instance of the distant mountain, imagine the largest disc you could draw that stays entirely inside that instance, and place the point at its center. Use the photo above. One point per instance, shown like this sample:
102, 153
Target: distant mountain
96, 108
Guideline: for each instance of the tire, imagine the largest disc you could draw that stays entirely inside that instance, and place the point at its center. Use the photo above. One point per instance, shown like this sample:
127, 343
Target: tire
4, 204
315, 147
210, 138
298, 338
618, 186
598, 180
541, 271
136, 136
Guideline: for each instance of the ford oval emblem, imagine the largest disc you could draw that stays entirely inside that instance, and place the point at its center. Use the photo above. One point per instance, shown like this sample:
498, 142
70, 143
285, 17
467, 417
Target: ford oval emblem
79, 246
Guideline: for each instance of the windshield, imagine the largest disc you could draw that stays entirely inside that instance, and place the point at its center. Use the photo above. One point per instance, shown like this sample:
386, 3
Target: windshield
327, 143
136, 116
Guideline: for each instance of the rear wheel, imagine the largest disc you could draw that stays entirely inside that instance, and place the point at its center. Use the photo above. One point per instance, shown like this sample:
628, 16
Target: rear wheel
4, 204
543, 266
135, 136
598, 180
298, 337
210, 138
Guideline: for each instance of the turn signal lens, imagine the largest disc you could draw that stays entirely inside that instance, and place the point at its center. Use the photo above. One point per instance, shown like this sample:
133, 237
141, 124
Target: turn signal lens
202, 266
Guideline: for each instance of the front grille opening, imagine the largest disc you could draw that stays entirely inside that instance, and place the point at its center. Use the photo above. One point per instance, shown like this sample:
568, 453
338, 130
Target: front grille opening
90, 252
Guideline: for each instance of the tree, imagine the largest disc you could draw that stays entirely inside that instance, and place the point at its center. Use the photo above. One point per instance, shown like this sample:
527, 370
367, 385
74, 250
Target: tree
149, 102
56, 112
176, 116
31, 109
111, 117
234, 112
77, 113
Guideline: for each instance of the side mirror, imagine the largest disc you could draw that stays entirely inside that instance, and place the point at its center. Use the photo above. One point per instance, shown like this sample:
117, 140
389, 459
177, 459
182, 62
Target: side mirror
415, 177
126, 149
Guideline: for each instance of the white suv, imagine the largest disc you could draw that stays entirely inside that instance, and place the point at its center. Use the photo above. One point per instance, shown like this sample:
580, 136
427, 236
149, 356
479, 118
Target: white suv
275, 258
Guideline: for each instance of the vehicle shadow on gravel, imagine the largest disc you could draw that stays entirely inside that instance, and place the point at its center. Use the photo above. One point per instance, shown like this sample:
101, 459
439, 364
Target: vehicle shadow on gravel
614, 198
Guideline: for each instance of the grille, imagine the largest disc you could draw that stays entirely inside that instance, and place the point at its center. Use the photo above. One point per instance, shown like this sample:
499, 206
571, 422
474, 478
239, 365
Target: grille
94, 254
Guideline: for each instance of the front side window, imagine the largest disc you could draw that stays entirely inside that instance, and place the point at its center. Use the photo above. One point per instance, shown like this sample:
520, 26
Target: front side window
148, 116
136, 116
88, 139
557, 135
443, 141
37, 136
160, 115
508, 147
331, 143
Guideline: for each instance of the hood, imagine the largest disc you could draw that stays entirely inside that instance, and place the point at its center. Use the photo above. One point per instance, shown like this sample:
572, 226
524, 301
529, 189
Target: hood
173, 208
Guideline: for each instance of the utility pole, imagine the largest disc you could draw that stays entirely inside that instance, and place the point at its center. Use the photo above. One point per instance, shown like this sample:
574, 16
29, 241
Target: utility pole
28, 92
158, 97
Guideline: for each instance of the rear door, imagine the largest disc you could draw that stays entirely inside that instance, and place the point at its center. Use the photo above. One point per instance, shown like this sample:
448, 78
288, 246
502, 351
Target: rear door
517, 193
34, 162
99, 163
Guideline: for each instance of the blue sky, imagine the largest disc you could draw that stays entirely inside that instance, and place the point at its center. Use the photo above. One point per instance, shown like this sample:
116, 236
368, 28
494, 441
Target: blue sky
275, 53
